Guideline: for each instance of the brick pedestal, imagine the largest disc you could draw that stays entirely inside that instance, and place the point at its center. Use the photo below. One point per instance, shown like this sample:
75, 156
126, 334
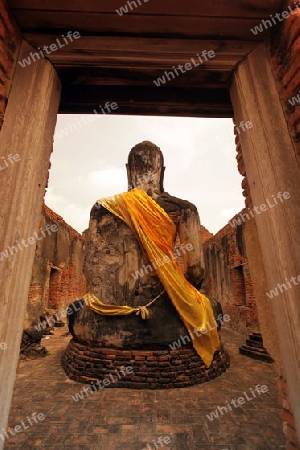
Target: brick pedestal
152, 369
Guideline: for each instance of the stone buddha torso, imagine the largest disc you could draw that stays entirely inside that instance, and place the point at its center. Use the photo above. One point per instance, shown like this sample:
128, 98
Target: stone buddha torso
158, 350
118, 271
115, 265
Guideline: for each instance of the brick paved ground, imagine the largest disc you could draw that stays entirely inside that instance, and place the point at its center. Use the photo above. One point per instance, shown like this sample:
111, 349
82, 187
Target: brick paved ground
123, 419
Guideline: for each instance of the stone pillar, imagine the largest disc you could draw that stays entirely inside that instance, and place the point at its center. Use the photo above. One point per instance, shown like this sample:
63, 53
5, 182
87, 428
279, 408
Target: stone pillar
27, 131
272, 167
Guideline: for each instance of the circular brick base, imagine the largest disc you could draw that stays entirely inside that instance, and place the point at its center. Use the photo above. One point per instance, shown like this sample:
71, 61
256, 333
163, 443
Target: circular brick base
151, 369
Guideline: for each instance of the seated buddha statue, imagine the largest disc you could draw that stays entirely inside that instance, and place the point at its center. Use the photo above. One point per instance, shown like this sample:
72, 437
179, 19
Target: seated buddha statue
144, 268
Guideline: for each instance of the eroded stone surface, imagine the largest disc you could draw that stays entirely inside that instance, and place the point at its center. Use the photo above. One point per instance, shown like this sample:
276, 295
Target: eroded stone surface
119, 272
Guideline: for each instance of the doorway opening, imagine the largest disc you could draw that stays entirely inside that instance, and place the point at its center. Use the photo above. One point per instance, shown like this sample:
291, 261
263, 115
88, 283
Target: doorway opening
54, 288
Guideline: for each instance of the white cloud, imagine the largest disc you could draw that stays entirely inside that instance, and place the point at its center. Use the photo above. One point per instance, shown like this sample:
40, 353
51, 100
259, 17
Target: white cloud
74, 215
227, 214
108, 181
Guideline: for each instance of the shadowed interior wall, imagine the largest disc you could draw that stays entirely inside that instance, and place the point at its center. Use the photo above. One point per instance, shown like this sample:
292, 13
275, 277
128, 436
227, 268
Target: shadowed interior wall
57, 278
228, 278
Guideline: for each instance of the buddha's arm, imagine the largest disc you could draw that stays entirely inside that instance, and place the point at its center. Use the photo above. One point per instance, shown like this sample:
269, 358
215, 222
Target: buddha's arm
189, 233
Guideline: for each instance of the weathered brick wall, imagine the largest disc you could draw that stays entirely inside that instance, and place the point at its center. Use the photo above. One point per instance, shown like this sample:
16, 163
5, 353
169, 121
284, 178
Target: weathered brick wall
9, 48
152, 369
205, 234
285, 59
57, 277
284, 44
228, 278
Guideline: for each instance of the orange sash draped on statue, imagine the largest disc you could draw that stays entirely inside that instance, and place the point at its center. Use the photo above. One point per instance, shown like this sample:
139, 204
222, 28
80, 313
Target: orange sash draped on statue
156, 233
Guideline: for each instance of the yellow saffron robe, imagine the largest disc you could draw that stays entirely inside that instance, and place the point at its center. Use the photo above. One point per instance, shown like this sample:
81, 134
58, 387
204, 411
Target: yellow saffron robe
156, 232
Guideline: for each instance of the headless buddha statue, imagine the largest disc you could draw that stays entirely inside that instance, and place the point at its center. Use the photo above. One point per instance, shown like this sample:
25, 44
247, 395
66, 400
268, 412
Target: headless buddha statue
120, 272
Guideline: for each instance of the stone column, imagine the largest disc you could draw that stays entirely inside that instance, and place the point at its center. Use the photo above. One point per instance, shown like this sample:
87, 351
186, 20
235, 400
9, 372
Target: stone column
28, 130
272, 167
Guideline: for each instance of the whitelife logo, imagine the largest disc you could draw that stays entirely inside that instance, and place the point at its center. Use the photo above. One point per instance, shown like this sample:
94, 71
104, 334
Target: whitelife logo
33, 56
209, 327
224, 138
237, 402
294, 100
74, 126
35, 417
206, 55
160, 443
61, 314
268, 23
3, 346
11, 158
86, 391
274, 292
281, 196
31, 240
146, 178
124, 9
161, 262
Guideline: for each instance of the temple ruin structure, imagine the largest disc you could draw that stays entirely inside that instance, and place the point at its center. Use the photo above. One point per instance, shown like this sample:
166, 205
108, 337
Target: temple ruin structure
118, 271
254, 78
57, 272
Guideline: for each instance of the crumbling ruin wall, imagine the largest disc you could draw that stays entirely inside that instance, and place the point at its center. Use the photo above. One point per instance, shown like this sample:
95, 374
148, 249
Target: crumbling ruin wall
205, 234
228, 280
57, 277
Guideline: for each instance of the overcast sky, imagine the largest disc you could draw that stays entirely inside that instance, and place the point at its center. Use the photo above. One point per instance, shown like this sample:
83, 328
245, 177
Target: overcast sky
89, 163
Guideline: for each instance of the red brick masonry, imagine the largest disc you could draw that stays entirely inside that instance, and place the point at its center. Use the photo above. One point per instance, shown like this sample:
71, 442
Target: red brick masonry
157, 369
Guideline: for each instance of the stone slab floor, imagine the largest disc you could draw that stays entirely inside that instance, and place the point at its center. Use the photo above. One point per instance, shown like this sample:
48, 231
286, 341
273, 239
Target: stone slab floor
124, 419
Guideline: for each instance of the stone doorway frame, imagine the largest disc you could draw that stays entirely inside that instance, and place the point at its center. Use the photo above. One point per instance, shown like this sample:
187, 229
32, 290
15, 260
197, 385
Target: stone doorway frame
272, 166
28, 129
54, 278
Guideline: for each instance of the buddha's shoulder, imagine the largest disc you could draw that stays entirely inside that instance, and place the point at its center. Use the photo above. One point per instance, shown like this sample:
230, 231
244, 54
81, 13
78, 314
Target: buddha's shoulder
99, 212
172, 204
